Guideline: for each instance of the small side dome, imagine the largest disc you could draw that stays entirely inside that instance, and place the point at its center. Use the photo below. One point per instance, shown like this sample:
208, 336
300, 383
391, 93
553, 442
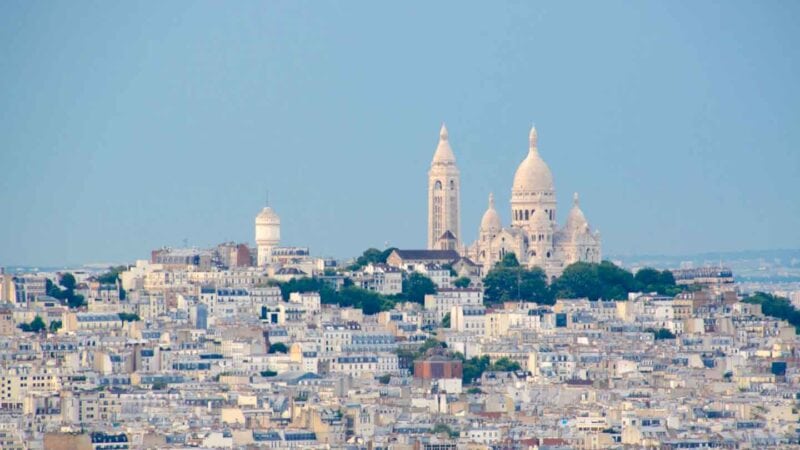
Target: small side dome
576, 221
491, 220
539, 220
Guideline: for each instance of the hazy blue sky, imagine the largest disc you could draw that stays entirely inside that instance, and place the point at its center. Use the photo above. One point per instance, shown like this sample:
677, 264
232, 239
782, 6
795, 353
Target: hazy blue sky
126, 126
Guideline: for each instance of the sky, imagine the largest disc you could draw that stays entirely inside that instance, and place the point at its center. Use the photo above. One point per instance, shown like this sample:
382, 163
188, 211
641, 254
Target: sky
127, 126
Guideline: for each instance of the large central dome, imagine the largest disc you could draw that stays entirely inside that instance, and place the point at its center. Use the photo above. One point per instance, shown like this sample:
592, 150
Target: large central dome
532, 175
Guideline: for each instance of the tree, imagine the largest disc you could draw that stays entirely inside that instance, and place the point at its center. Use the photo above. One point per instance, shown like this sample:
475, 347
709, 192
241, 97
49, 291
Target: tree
662, 333
369, 302
112, 275
509, 260
446, 320
777, 307
505, 365
417, 286
648, 277
75, 301
473, 368
128, 317
268, 373
384, 379
278, 347
36, 325
68, 281
462, 282
55, 326
509, 281
372, 256
444, 428
54, 291
652, 280
595, 281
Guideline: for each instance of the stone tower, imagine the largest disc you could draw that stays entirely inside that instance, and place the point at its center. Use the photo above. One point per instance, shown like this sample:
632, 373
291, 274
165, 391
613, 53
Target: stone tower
268, 235
443, 197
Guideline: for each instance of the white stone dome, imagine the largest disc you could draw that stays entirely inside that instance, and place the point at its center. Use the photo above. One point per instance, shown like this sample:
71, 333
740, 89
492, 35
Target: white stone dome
533, 175
576, 221
444, 154
539, 221
268, 216
491, 220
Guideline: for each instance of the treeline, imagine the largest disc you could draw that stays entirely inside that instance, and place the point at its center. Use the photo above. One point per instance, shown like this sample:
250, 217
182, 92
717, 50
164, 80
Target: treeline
415, 287
508, 281
777, 307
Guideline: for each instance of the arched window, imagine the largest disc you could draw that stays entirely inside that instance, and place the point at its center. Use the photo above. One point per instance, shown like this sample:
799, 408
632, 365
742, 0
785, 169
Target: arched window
438, 185
526, 215
548, 254
452, 185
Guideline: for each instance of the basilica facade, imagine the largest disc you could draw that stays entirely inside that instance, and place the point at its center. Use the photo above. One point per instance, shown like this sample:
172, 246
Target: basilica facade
533, 234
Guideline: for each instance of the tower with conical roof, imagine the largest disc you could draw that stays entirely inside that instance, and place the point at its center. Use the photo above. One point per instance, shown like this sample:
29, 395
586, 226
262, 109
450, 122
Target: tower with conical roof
443, 195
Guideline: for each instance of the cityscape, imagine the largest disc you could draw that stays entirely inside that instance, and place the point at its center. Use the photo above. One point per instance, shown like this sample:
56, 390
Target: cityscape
521, 327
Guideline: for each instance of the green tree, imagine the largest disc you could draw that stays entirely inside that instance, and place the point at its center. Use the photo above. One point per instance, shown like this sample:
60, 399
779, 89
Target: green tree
648, 277
417, 286
75, 300
384, 379
777, 307
372, 256
129, 317
112, 275
446, 320
36, 325
509, 281
68, 281
268, 373
509, 260
661, 333
595, 281
278, 347
505, 365
440, 428
473, 368
54, 291
462, 282
369, 302
55, 326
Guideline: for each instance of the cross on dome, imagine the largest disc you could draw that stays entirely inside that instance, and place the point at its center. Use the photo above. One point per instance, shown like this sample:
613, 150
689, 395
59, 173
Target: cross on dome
533, 137
443, 132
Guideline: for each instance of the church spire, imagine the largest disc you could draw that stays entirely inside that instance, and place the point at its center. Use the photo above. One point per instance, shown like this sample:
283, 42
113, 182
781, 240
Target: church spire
443, 133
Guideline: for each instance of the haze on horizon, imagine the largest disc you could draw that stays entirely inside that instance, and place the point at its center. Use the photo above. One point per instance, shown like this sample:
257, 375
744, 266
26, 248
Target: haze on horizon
128, 126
